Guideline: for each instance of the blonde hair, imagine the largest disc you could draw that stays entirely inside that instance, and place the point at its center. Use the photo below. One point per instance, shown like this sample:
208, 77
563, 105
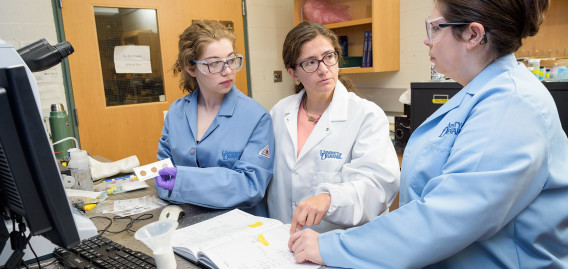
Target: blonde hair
191, 44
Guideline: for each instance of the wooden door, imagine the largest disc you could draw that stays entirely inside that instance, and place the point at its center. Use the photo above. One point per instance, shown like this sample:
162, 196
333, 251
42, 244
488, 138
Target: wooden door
120, 112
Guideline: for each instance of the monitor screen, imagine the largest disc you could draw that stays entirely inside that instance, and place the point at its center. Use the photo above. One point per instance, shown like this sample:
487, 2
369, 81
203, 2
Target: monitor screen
30, 182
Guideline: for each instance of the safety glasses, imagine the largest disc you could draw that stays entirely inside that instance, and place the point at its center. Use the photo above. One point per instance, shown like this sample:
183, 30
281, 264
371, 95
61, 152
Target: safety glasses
211, 67
435, 26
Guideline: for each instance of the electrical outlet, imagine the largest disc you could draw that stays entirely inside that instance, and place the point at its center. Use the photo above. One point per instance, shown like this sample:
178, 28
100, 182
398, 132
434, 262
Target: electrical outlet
278, 76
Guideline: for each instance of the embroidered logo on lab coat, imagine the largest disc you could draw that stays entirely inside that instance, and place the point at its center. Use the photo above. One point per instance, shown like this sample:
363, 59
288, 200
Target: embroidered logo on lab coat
230, 154
452, 128
265, 152
326, 154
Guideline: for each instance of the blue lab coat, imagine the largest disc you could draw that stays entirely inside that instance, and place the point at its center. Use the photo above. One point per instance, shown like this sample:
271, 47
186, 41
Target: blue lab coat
234, 155
484, 184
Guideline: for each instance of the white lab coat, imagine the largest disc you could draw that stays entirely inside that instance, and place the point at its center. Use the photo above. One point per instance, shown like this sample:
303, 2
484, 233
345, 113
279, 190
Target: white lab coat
348, 154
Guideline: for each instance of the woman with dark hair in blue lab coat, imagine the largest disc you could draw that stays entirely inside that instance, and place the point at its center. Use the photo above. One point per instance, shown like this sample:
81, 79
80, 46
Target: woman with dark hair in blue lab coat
484, 180
219, 140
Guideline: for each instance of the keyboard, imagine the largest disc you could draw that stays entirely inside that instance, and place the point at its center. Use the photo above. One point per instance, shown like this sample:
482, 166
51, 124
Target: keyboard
101, 252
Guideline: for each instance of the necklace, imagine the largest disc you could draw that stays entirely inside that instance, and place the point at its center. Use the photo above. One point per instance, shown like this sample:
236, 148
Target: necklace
311, 118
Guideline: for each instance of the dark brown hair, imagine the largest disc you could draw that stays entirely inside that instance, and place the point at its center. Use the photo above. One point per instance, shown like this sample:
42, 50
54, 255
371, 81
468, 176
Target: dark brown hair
506, 22
191, 44
302, 33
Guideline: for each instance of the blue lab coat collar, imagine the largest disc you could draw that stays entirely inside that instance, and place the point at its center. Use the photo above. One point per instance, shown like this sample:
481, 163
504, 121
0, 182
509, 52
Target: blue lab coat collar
226, 110
500, 65
227, 107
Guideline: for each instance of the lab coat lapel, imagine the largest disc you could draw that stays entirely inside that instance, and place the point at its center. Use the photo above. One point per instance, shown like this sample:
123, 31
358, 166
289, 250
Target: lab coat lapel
336, 111
500, 65
226, 110
454, 102
190, 111
291, 119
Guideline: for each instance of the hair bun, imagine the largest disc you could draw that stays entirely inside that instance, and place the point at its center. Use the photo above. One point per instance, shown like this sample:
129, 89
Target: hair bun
534, 16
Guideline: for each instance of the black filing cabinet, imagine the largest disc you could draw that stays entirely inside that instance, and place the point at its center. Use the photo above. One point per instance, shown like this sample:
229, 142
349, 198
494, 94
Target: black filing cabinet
427, 97
559, 91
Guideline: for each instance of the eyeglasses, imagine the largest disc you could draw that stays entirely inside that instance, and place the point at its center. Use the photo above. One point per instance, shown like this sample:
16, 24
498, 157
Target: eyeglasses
434, 27
234, 62
311, 65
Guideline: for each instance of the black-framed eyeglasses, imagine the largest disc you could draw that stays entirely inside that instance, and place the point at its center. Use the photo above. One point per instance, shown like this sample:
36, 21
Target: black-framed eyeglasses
234, 62
312, 65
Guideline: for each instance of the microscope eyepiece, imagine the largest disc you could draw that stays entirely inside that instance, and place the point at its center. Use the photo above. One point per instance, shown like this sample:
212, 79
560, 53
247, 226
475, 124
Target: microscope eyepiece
40, 55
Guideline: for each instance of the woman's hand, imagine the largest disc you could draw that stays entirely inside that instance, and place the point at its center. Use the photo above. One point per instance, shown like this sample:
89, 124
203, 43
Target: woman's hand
310, 211
305, 246
166, 178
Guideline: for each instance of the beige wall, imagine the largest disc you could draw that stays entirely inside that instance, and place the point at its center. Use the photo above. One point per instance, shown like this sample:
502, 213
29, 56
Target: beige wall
270, 20
268, 23
24, 22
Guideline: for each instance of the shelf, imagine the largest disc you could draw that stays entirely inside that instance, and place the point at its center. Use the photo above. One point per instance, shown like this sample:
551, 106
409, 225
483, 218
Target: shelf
356, 70
382, 17
348, 23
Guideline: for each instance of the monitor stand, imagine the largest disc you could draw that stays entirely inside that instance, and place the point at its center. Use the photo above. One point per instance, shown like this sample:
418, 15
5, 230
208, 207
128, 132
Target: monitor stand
43, 247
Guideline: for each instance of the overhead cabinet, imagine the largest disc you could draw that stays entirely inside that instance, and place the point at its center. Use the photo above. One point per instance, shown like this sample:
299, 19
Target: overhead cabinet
380, 17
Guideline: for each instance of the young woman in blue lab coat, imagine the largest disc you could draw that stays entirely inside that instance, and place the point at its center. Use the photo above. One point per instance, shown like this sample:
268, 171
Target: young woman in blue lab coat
484, 180
219, 140
335, 165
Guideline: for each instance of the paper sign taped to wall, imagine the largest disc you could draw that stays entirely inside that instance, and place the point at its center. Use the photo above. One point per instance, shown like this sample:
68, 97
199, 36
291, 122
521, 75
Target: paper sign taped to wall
132, 59
151, 170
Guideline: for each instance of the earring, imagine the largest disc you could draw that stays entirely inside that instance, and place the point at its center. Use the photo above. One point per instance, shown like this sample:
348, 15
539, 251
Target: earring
297, 82
484, 40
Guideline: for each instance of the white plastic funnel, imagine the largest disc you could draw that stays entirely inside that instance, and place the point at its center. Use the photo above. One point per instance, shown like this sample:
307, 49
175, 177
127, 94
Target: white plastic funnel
158, 237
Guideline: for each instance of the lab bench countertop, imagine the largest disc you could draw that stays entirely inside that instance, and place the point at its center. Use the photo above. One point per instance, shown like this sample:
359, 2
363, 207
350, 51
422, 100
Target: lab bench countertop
193, 214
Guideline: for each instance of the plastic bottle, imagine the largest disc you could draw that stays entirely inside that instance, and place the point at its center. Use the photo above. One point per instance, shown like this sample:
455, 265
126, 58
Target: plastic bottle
80, 170
535, 64
434, 75
547, 75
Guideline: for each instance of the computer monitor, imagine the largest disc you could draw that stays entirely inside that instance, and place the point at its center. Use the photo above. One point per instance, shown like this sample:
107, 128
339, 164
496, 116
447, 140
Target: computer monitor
30, 182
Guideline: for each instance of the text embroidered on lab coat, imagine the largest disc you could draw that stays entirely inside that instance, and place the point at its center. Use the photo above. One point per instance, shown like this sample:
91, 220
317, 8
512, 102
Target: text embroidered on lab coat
230, 154
326, 154
452, 128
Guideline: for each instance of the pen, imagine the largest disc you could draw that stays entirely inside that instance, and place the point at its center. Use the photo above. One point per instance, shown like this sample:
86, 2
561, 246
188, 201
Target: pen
120, 178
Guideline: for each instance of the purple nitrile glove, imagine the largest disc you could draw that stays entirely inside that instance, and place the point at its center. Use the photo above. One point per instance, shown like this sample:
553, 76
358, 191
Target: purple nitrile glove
167, 178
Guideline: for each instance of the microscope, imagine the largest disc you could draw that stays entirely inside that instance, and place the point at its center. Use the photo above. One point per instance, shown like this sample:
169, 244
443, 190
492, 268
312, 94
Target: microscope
40, 55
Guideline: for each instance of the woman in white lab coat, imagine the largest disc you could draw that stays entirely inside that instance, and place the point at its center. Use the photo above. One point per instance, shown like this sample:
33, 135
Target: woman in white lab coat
335, 165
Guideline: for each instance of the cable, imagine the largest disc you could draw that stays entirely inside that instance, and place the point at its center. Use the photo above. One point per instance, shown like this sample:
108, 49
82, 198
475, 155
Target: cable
28, 243
128, 226
68, 138
22, 262
132, 221
101, 232
33, 251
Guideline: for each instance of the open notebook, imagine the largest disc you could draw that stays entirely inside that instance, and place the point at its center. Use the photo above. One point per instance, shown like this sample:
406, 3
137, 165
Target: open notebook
237, 240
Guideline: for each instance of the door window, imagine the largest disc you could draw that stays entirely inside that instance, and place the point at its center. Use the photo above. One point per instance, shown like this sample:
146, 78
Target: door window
129, 48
